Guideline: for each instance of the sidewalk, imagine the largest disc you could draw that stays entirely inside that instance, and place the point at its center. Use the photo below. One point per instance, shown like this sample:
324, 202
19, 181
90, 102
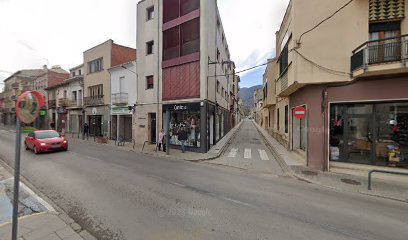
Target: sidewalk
40, 226
150, 149
37, 219
341, 178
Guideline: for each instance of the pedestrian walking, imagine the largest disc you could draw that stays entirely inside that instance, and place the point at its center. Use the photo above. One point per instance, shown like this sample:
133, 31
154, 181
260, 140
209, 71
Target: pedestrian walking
162, 140
86, 131
182, 137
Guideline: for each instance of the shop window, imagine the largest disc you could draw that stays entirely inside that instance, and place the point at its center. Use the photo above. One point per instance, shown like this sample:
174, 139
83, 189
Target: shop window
190, 121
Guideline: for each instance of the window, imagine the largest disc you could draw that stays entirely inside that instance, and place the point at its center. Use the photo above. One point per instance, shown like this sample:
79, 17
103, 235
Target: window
265, 91
284, 59
181, 40
190, 37
95, 91
218, 23
278, 119
149, 82
286, 119
226, 95
218, 86
73, 74
222, 92
187, 6
150, 13
173, 9
95, 66
80, 72
149, 47
171, 43
218, 54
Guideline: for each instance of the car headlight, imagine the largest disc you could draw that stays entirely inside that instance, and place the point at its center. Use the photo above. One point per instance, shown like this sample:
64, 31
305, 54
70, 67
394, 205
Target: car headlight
65, 141
43, 144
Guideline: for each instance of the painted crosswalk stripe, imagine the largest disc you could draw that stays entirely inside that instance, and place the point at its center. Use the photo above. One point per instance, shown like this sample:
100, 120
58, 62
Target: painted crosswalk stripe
233, 153
247, 153
263, 155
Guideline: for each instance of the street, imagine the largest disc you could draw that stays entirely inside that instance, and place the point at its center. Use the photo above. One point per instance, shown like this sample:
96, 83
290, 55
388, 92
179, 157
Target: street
117, 194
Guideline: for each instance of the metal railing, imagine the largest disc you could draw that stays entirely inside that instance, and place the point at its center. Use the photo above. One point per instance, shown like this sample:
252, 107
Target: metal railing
120, 98
386, 50
382, 171
93, 100
75, 103
52, 103
63, 102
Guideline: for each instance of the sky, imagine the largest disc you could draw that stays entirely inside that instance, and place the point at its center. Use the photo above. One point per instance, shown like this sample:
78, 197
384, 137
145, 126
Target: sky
57, 32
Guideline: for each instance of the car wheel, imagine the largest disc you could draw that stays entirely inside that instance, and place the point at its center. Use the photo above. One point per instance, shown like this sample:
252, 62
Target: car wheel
35, 150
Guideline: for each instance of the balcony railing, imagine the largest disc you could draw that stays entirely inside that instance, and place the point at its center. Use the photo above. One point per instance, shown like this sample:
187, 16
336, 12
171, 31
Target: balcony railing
75, 103
63, 102
93, 100
386, 50
52, 103
120, 99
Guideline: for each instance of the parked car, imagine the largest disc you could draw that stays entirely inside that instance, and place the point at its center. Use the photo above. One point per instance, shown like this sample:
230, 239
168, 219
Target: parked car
45, 141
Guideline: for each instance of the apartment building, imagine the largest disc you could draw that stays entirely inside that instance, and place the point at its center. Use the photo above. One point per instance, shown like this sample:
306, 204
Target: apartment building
13, 87
97, 92
269, 99
349, 72
258, 106
234, 110
184, 70
123, 100
1, 107
65, 107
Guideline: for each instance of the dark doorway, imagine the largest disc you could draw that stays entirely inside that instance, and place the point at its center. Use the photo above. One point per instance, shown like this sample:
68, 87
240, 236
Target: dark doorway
152, 122
95, 125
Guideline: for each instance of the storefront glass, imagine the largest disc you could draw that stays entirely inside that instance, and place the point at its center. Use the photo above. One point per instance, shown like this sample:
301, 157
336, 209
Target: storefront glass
375, 134
191, 123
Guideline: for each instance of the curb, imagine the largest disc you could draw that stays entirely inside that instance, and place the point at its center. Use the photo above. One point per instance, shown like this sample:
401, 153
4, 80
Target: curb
58, 211
289, 171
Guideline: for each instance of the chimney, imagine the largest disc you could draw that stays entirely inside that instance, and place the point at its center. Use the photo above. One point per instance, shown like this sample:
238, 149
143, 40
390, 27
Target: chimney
45, 67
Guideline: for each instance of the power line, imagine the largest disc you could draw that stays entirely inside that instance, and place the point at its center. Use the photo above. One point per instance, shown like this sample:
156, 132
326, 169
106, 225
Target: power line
332, 71
245, 70
324, 20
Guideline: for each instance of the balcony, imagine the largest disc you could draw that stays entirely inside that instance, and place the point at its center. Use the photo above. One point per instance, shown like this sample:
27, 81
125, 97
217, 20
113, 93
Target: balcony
93, 100
52, 103
380, 57
63, 102
75, 103
119, 99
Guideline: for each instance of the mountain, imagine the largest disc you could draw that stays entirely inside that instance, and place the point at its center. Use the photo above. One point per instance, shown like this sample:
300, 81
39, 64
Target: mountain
247, 95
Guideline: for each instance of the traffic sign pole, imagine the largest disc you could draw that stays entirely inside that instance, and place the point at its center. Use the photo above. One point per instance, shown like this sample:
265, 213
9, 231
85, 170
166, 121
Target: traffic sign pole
16, 180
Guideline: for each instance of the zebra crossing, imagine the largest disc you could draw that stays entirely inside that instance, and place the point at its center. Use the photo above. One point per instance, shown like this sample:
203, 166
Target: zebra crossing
247, 154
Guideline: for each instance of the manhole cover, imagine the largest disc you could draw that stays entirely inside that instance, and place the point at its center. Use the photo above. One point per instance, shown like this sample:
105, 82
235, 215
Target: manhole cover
310, 173
350, 181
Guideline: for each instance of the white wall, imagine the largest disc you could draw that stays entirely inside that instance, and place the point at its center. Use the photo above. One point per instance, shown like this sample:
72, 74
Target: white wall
128, 84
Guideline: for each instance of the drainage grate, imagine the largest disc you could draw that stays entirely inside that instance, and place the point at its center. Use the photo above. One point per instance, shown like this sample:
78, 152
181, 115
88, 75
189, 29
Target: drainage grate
309, 173
350, 181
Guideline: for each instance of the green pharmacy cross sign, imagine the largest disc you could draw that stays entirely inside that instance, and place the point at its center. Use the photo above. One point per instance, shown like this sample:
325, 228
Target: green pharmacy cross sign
43, 112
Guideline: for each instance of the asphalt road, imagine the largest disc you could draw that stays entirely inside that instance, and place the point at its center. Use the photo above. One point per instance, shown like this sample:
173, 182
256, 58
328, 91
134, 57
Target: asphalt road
122, 195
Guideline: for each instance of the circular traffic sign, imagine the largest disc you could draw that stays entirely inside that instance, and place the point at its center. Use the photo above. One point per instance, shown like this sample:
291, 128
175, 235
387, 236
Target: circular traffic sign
28, 106
299, 112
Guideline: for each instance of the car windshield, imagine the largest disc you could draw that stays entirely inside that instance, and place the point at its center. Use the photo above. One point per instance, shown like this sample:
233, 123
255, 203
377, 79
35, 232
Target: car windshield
45, 135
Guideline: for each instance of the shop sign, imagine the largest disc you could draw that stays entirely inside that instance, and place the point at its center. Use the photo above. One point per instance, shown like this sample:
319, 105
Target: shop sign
43, 112
120, 110
180, 107
299, 112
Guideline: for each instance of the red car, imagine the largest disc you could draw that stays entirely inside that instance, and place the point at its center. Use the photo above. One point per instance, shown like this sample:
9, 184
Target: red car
45, 141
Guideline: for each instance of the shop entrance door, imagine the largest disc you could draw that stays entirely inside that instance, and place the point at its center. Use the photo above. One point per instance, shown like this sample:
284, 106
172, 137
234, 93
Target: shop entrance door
152, 117
359, 139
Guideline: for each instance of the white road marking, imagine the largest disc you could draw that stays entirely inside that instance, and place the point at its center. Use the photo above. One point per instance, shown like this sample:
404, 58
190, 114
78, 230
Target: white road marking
247, 153
263, 155
233, 153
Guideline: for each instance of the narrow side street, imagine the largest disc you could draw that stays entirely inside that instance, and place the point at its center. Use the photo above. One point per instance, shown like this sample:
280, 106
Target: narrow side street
117, 194
248, 151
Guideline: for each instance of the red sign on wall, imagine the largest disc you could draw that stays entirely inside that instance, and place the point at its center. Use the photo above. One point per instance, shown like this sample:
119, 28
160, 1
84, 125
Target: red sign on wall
299, 112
